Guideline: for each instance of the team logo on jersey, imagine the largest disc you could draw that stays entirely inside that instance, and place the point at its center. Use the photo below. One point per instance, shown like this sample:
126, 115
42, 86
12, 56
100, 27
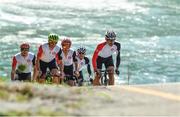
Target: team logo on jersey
28, 61
53, 53
81, 63
69, 57
112, 49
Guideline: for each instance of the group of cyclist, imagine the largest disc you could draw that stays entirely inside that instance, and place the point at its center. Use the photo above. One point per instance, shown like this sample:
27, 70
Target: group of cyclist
64, 63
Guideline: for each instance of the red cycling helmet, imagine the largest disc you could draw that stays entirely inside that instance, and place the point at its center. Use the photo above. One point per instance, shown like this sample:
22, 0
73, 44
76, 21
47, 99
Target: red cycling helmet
25, 45
66, 40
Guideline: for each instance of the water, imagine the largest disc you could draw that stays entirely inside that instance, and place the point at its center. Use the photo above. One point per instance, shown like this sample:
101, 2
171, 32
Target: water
148, 30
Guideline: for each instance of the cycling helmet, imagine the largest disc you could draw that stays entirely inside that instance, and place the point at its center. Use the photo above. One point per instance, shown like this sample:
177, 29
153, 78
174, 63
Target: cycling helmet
25, 45
66, 40
81, 49
110, 35
53, 37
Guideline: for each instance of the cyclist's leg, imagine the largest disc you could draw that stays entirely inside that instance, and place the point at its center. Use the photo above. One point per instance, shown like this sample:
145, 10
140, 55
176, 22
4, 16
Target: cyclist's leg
68, 70
28, 77
24, 77
110, 67
99, 63
80, 79
111, 75
54, 72
43, 69
55, 76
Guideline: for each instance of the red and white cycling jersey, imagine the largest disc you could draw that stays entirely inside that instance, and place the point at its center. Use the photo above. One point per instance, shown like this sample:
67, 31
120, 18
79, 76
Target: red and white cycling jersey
28, 62
107, 51
47, 55
104, 50
69, 59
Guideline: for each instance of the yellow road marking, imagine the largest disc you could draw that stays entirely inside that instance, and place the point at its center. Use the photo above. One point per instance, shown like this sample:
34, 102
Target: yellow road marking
165, 95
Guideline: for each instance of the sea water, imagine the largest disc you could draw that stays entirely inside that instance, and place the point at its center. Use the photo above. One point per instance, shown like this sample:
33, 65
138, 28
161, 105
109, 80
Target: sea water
148, 30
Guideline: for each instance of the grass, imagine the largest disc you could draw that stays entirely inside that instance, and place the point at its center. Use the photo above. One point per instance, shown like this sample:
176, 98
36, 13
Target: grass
2, 79
4, 94
46, 99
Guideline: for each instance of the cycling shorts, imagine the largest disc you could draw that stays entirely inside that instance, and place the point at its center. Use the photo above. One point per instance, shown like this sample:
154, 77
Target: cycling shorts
106, 61
68, 70
51, 65
24, 76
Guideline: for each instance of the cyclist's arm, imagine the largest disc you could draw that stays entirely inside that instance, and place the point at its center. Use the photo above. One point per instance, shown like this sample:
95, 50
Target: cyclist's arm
59, 61
75, 61
34, 68
61, 67
13, 71
39, 54
95, 55
60, 64
88, 65
118, 57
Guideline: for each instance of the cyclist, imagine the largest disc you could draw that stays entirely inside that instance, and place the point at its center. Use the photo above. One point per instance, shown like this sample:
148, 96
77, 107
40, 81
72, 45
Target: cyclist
46, 58
68, 58
103, 55
22, 64
83, 61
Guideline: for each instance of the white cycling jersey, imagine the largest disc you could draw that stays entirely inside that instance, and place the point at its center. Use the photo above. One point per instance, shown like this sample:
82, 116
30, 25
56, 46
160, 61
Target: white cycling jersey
48, 55
27, 62
82, 63
107, 51
103, 50
68, 60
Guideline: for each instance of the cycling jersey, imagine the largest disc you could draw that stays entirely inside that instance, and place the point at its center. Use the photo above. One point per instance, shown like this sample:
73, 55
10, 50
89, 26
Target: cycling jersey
69, 59
82, 63
46, 54
27, 62
103, 50
68, 62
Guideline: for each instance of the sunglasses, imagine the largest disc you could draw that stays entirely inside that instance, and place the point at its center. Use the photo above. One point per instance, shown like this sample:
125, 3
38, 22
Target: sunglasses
66, 44
81, 53
54, 42
24, 49
110, 40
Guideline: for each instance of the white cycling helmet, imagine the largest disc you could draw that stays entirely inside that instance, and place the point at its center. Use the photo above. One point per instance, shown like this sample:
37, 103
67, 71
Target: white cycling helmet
110, 35
81, 49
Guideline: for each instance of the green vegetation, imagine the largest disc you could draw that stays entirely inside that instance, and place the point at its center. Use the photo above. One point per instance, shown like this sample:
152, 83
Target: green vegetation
2, 79
25, 99
4, 94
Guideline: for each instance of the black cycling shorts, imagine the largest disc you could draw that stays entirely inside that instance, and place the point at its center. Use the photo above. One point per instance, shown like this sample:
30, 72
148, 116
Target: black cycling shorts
51, 65
106, 61
68, 71
24, 76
